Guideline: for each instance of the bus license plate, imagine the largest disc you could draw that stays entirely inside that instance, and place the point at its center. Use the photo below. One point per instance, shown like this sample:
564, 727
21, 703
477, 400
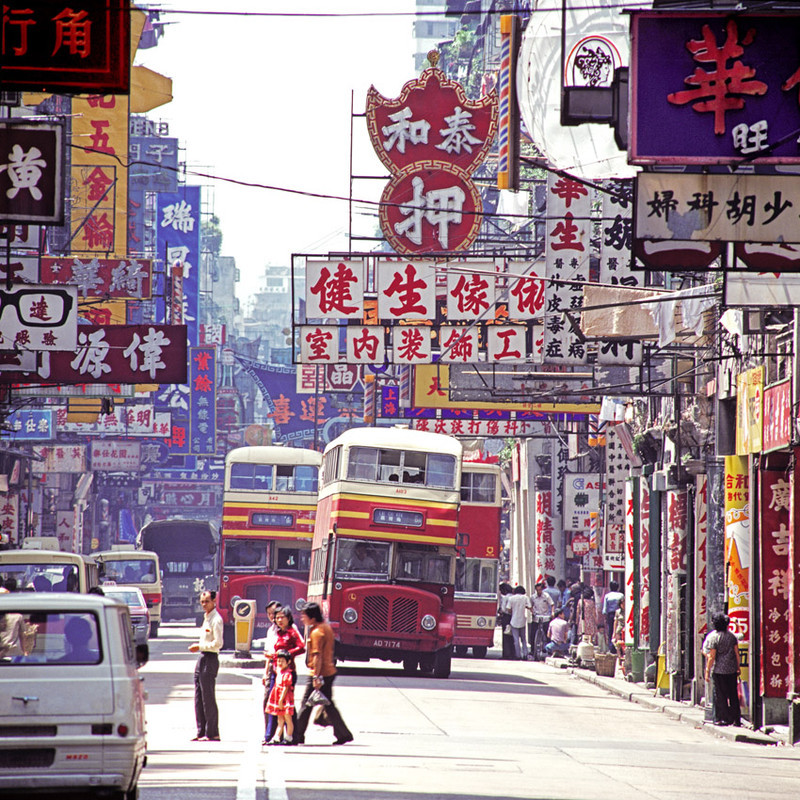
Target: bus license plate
386, 643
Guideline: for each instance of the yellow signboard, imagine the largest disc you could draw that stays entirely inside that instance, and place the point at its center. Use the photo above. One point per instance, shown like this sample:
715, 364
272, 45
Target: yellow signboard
749, 411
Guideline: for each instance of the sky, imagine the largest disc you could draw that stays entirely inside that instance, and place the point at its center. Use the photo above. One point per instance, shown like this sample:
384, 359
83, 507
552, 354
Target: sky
266, 99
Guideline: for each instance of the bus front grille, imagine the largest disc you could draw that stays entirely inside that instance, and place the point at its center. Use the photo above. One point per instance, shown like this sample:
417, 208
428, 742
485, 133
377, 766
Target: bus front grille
398, 615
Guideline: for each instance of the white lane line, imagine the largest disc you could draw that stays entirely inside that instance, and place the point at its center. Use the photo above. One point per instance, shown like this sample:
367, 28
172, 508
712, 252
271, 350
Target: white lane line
275, 780
254, 725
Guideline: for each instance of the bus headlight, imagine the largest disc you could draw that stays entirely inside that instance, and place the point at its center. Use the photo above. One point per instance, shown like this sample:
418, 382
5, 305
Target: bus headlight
481, 622
350, 615
428, 622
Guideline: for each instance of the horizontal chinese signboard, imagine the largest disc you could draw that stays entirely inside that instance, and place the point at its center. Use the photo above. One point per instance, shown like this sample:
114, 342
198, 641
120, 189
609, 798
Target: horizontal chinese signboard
59, 458
31, 169
723, 88
52, 47
32, 424
115, 354
133, 420
733, 208
100, 277
115, 456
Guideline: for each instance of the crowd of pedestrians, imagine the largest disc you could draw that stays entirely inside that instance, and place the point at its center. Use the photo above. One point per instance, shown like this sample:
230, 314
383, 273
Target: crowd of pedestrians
558, 616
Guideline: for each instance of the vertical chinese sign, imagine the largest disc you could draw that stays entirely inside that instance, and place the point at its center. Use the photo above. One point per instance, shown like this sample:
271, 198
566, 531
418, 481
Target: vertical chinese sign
644, 563
774, 532
567, 256
544, 554
630, 561
677, 532
203, 384
737, 552
700, 566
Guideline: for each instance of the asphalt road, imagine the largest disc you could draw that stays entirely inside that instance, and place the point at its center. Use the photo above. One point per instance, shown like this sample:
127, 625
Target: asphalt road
494, 729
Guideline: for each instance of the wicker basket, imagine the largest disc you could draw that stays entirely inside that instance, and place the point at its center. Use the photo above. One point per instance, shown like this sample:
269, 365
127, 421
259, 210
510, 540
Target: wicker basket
605, 664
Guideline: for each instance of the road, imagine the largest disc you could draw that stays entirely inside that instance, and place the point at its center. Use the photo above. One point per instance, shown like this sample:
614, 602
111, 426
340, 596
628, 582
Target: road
495, 729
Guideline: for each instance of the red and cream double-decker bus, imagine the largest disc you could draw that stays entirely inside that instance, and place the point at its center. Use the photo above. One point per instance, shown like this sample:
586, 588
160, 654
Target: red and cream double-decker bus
383, 557
479, 555
270, 496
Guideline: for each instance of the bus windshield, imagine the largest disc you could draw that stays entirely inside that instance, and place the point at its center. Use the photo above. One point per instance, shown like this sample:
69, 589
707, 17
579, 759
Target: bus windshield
373, 464
247, 476
360, 559
422, 563
478, 487
40, 577
254, 555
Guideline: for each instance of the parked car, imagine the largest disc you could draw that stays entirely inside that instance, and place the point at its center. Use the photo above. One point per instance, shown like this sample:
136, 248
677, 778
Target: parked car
132, 597
71, 700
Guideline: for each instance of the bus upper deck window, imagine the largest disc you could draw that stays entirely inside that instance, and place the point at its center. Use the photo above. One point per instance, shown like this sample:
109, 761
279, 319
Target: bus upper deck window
441, 471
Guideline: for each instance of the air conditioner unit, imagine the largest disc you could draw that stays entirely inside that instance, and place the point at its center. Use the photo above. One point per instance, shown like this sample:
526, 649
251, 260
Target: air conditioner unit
666, 478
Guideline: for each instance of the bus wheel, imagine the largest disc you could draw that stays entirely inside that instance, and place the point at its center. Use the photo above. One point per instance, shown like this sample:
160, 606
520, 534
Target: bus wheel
427, 663
461, 650
480, 652
441, 663
153, 630
227, 637
409, 665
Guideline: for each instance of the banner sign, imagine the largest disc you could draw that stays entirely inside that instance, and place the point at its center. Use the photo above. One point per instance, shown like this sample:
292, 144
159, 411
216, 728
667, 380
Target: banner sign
178, 239
581, 497
545, 547
732, 208
59, 458
630, 556
114, 354
134, 420
644, 563
53, 47
749, 411
115, 456
777, 429
34, 317
616, 241
203, 385
431, 138
100, 277
31, 168
722, 88
677, 530
775, 531
31, 425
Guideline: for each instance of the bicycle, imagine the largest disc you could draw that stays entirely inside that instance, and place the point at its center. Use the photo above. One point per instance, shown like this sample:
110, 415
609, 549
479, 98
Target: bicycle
541, 621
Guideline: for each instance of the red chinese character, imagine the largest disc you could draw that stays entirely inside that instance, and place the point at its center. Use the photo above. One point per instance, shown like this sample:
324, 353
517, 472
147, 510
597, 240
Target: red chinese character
22, 338
529, 295
9, 20
411, 342
334, 292
506, 352
281, 415
98, 183
202, 359
98, 232
202, 383
73, 31
100, 140
566, 231
178, 436
317, 341
569, 190
365, 343
470, 293
434, 388
39, 310
457, 346
407, 292
313, 409
719, 90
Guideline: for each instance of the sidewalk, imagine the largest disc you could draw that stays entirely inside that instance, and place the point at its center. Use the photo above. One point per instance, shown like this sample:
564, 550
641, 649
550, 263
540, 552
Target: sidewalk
680, 711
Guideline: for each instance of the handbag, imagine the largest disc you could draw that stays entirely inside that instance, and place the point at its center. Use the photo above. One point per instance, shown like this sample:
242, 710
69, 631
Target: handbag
316, 698
321, 717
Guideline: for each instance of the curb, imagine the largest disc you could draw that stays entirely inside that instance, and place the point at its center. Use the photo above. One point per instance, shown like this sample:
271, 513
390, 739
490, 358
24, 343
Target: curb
690, 715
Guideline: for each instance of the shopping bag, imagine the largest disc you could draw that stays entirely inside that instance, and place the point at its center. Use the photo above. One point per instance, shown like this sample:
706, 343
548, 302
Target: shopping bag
316, 698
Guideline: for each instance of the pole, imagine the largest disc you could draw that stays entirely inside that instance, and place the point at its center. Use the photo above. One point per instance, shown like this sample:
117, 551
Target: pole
316, 402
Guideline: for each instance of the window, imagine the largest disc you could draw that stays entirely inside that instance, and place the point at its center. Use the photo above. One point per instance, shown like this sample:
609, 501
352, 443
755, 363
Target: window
356, 558
421, 563
330, 465
476, 576
41, 577
43, 638
306, 478
251, 477
247, 555
128, 571
293, 559
402, 467
478, 487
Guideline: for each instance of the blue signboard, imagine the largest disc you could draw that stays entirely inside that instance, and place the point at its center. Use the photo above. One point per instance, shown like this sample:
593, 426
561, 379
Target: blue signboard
203, 386
714, 88
31, 425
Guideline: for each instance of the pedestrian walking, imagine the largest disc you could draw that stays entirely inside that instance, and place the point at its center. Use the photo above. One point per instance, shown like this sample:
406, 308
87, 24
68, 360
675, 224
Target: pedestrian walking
611, 602
322, 673
281, 699
504, 621
205, 673
587, 615
270, 720
722, 664
518, 605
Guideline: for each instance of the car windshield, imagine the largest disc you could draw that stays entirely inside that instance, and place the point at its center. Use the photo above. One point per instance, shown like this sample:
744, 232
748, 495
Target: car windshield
137, 570
43, 638
40, 577
127, 596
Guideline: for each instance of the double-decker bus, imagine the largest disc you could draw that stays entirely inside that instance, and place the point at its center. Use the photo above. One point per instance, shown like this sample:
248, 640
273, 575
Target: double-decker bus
479, 556
383, 557
270, 495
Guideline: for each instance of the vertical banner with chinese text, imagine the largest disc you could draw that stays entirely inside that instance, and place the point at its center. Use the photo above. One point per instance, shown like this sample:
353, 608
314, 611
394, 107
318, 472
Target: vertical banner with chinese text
631, 489
544, 562
203, 384
644, 563
700, 569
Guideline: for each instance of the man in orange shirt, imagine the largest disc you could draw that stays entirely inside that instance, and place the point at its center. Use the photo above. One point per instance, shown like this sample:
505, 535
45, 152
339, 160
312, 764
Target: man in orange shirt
322, 672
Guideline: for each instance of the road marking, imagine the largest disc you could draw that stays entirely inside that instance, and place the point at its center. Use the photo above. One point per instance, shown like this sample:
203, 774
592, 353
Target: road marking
248, 771
275, 781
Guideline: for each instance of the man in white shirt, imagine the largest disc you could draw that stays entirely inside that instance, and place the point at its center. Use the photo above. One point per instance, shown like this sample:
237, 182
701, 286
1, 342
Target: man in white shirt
205, 673
517, 604
541, 607
557, 634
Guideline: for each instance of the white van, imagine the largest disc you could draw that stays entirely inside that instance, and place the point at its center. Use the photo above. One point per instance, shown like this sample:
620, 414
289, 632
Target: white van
138, 568
71, 700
